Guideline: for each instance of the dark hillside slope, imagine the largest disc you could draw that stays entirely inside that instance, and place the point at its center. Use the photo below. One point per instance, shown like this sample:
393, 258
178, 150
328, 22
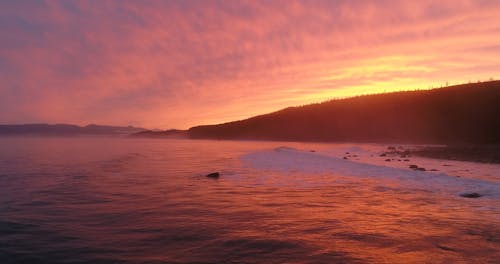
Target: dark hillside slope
467, 113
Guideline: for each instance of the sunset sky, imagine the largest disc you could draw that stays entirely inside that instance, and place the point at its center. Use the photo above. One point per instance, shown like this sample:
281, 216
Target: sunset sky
175, 64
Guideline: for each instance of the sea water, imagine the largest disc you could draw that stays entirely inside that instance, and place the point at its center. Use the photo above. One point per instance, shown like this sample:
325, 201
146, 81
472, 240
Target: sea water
121, 200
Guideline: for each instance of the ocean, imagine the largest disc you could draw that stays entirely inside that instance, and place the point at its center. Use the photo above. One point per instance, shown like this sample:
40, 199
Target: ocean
124, 200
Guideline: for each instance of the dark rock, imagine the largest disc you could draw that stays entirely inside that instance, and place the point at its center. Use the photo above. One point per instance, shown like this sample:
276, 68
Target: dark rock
345, 158
312, 150
446, 248
383, 155
214, 175
433, 170
420, 169
388, 160
471, 195
413, 167
406, 160
347, 153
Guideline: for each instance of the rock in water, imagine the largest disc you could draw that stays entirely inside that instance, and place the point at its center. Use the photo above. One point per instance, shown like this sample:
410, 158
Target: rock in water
471, 195
214, 175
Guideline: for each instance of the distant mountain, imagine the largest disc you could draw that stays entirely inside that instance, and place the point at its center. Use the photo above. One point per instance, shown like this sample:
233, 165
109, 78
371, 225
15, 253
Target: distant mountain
66, 130
172, 133
467, 113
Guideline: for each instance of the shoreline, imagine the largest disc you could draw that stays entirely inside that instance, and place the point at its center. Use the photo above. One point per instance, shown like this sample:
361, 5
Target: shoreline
481, 154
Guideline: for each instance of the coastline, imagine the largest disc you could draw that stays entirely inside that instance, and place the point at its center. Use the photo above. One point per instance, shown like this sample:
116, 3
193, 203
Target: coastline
472, 153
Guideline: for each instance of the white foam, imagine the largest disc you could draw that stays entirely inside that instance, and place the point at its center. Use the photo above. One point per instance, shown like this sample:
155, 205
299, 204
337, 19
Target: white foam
292, 160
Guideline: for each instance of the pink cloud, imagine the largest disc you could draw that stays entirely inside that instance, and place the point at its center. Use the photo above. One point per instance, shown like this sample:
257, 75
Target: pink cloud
181, 63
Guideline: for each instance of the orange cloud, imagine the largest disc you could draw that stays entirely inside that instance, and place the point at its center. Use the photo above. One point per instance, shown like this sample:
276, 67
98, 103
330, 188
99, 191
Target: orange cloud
164, 64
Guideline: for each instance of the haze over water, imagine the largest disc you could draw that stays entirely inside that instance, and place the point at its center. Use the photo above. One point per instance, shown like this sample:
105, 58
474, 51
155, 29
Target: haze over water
104, 200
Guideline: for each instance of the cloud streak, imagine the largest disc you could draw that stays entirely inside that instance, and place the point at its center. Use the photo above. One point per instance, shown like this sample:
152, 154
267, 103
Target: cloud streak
180, 63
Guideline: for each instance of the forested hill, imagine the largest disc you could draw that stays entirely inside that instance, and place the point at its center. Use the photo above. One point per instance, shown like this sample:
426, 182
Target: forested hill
467, 113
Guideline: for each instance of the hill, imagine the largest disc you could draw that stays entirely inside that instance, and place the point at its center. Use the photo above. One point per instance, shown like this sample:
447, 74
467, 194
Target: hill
172, 133
467, 113
65, 130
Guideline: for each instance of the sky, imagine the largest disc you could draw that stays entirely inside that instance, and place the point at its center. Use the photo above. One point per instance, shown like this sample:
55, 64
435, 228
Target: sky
177, 64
